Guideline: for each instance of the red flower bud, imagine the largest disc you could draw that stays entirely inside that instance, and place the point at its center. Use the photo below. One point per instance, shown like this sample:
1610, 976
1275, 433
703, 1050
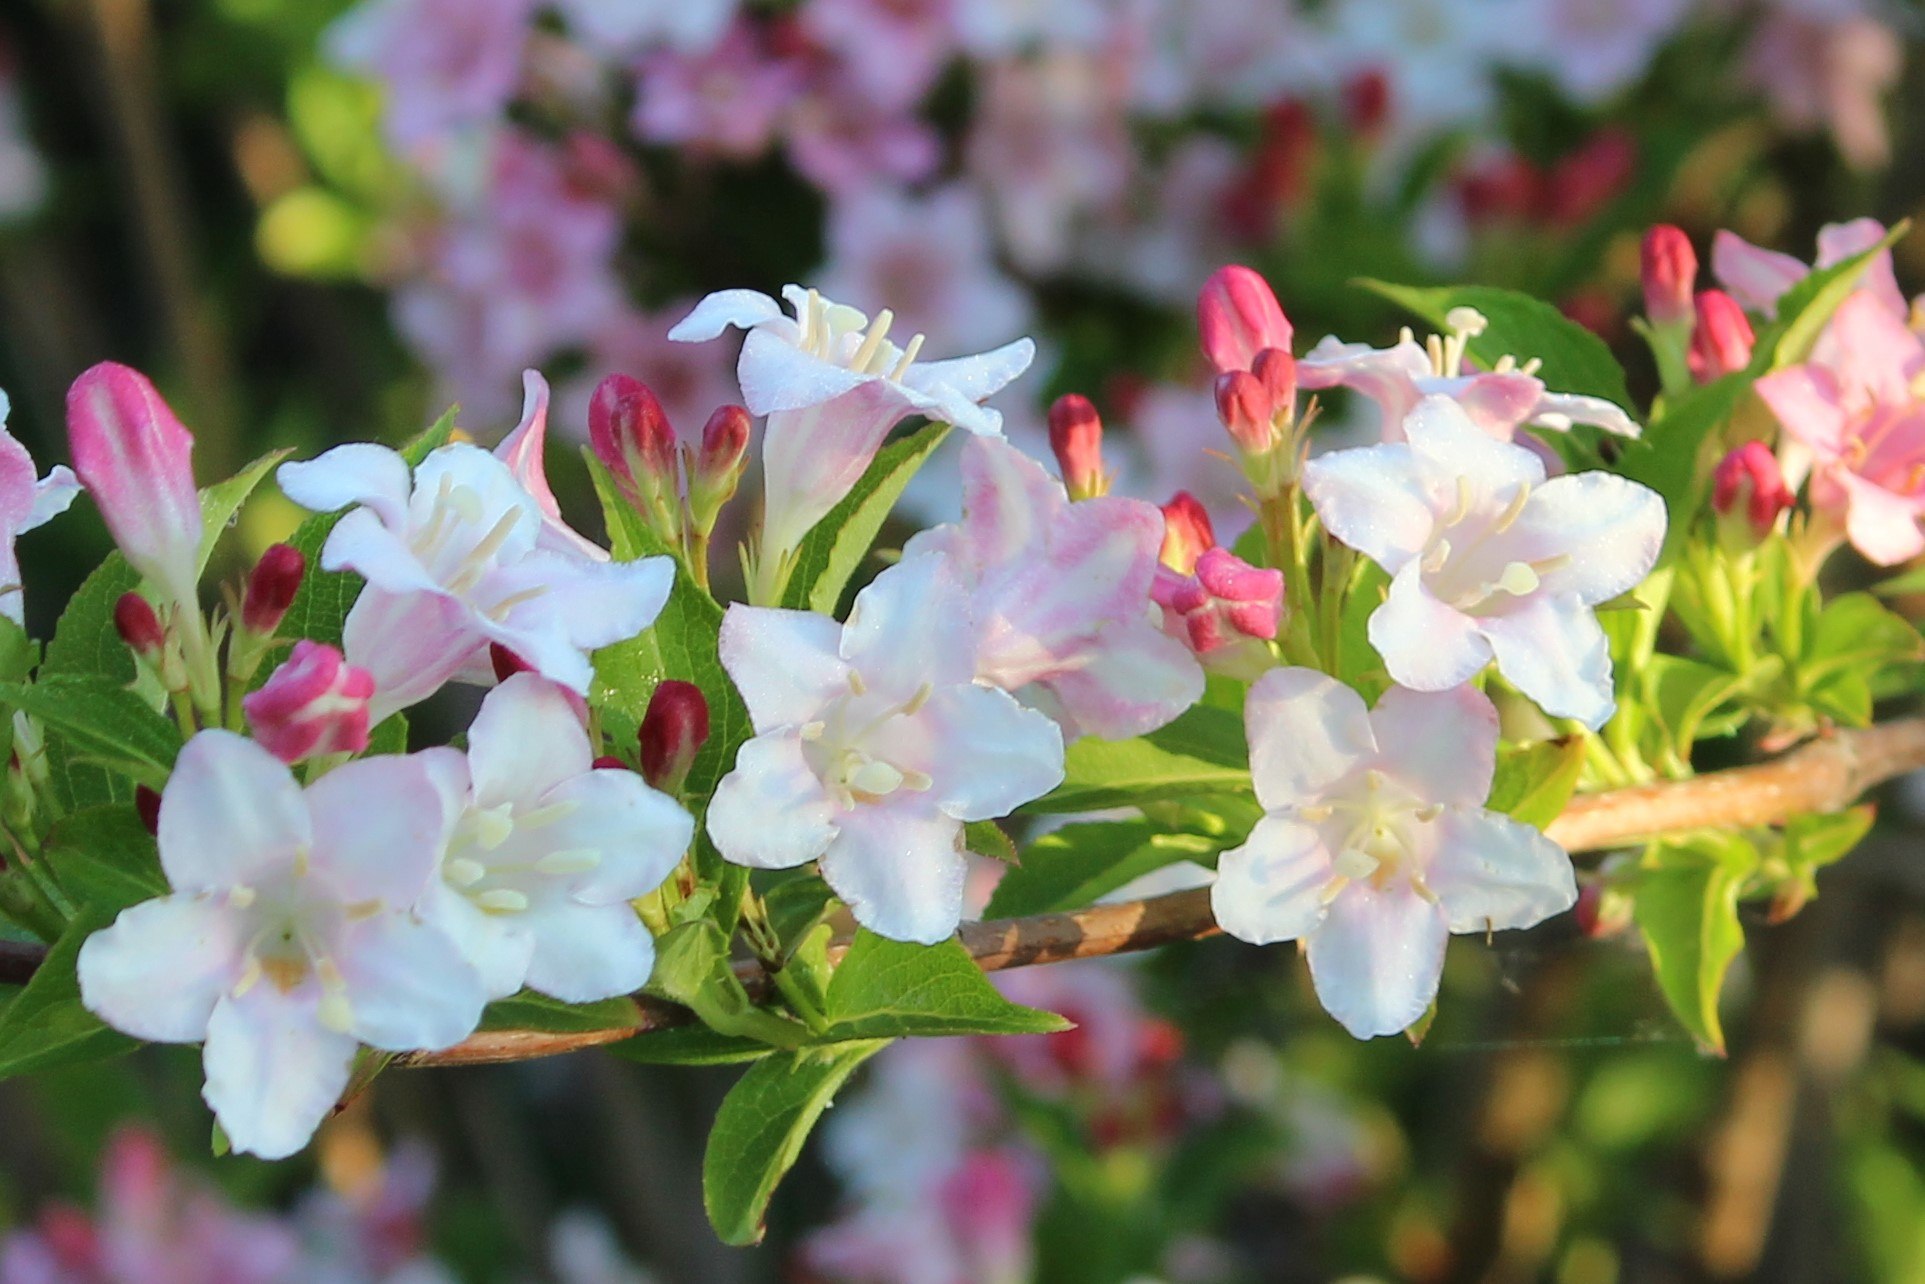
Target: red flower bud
1237, 317
505, 662
1244, 407
1722, 343
1076, 436
629, 432
315, 703
138, 626
147, 807
1366, 101
609, 762
1669, 275
674, 729
725, 443
271, 589
1749, 487
1187, 532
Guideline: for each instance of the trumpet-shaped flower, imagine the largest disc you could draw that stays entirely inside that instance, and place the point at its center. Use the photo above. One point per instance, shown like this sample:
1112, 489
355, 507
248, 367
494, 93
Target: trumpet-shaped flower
873, 745
25, 502
548, 850
1059, 597
459, 557
1375, 845
833, 385
1861, 419
1487, 559
523, 450
288, 938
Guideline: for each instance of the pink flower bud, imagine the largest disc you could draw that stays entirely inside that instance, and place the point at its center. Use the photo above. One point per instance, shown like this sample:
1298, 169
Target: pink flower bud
609, 762
1186, 532
271, 589
1251, 596
1722, 343
674, 729
725, 444
1076, 437
1238, 316
139, 627
134, 456
1748, 487
1669, 274
629, 432
315, 703
1244, 407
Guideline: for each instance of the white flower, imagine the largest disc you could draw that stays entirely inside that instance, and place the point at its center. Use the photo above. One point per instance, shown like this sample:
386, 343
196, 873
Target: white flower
460, 558
289, 938
1487, 559
547, 851
1375, 845
833, 385
873, 746
25, 502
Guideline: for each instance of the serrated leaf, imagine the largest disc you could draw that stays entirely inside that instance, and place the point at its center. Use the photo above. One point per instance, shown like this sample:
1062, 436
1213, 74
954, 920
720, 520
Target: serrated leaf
1202, 752
761, 1127
690, 1045
531, 1011
105, 858
1071, 867
1688, 913
101, 720
1533, 784
884, 988
835, 546
1573, 359
46, 1025
986, 838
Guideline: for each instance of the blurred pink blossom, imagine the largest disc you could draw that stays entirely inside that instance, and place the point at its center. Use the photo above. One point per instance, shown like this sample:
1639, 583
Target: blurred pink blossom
1829, 64
446, 65
890, 51
726, 100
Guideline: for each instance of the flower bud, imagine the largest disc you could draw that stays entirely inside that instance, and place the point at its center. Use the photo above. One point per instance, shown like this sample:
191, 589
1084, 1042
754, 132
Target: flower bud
506, 663
1722, 343
1748, 491
630, 433
1366, 102
717, 468
1186, 532
1251, 597
315, 703
147, 807
674, 729
139, 627
1244, 407
135, 458
1669, 275
609, 762
1076, 437
271, 589
1237, 317
1602, 910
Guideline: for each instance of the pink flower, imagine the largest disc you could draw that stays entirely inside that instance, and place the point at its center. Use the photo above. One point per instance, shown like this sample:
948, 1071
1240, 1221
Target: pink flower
1748, 488
726, 100
136, 459
1669, 272
26, 502
1829, 67
844, 143
1238, 316
1758, 278
1060, 597
1115, 1045
1722, 340
315, 703
524, 450
1224, 603
891, 51
1859, 416
446, 64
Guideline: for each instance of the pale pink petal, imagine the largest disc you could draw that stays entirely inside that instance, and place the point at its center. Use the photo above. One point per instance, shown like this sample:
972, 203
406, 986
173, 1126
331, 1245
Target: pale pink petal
523, 450
590, 952
230, 816
777, 375
1377, 958
1876, 355
772, 779
1424, 643
408, 986
1755, 277
1135, 680
1442, 433
1307, 731
1489, 872
362, 543
1271, 888
1375, 499
899, 871
975, 378
1882, 526
813, 455
786, 664
993, 754
273, 1071
359, 472
909, 628
379, 829
413, 644
1555, 652
1499, 403
1810, 405
639, 833
1559, 410
1443, 744
1840, 241
1607, 529
743, 309
199, 939
526, 739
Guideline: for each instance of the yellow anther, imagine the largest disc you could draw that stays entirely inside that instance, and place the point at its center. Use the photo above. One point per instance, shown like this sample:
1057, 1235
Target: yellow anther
1517, 579
502, 900
574, 861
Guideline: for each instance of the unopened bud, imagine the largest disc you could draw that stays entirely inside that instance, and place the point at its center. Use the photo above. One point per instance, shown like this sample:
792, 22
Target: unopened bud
1366, 102
1187, 532
674, 729
718, 465
1722, 343
1237, 317
1602, 910
139, 627
1076, 437
271, 589
506, 663
1244, 407
609, 762
630, 433
147, 807
1669, 275
315, 703
1748, 491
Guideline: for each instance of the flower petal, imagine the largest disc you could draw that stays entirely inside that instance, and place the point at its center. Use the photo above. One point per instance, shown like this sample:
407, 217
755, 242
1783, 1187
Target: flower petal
1443, 744
1376, 499
379, 829
909, 628
408, 985
1554, 651
1810, 405
1882, 525
1755, 277
1307, 731
230, 814
1490, 872
361, 542
413, 644
777, 375
1442, 433
357, 473
786, 664
900, 871
199, 940
1271, 888
526, 739
639, 833
716, 312
1377, 958
1133, 679
497, 946
975, 378
273, 1071
994, 755
1560, 410
771, 811
1606, 530
1425, 644
584, 953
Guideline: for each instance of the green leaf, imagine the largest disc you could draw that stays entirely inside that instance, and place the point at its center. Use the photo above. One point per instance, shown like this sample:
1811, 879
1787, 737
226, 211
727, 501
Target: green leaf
1807, 307
1667, 457
1071, 867
46, 1025
690, 1045
531, 1011
1534, 783
1681, 694
1855, 631
101, 720
1202, 752
1688, 912
883, 988
1815, 841
692, 968
760, 1129
836, 545
986, 838
1574, 359
105, 858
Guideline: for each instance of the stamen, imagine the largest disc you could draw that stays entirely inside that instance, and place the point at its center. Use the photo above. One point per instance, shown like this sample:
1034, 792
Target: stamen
334, 1012
491, 826
462, 872
576, 861
1517, 579
856, 684
908, 359
502, 900
1429, 813
813, 730
1460, 503
1316, 814
915, 702
1514, 509
1332, 889
300, 862
1434, 560
916, 781
240, 897
1354, 863
250, 977
875, 777
878, 331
